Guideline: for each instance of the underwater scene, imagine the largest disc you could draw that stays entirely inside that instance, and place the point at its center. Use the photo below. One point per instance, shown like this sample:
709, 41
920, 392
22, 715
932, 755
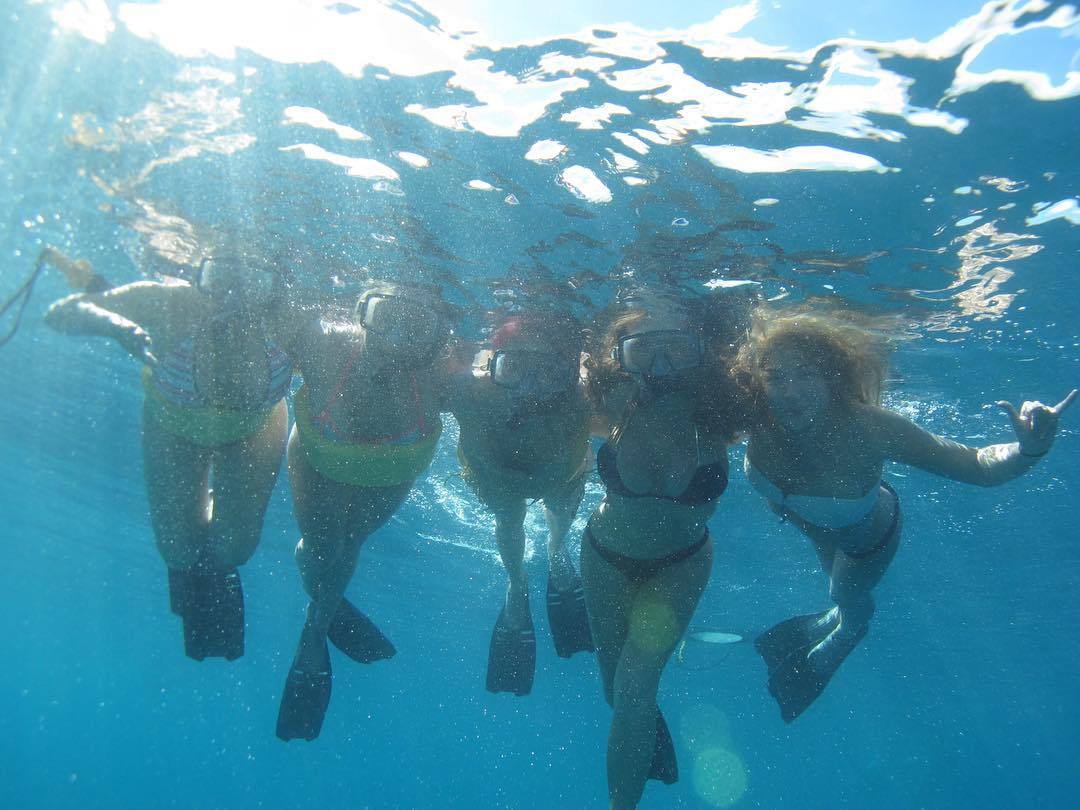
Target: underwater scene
462, 404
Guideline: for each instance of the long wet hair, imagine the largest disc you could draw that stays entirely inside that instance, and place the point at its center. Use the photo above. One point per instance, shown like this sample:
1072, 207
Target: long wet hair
719, 324
850, 354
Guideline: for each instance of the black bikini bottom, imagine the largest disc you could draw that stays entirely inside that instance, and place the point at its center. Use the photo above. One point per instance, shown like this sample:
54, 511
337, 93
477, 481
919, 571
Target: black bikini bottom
889, 534
638, 570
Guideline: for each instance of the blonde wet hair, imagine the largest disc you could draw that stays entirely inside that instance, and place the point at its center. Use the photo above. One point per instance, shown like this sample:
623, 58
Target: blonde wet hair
848, 351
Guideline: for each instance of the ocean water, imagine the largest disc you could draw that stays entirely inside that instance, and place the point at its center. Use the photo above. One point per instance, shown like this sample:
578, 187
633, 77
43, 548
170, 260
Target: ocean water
917, 160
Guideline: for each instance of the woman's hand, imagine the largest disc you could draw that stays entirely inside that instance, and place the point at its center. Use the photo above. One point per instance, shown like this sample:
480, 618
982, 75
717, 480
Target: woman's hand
136, 341
1035, 424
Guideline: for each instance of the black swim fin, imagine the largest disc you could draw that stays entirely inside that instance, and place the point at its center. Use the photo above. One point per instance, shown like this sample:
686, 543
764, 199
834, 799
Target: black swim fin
781, 640
357, 636
511, 657
212, 605
568, 619
665, 765
796, 683
178, 591
304, 703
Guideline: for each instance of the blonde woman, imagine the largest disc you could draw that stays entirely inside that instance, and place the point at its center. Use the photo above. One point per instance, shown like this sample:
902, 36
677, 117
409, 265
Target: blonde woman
819, 439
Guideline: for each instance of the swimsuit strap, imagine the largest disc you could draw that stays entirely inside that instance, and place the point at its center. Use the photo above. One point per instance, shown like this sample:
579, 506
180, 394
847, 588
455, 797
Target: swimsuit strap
279, 372
324, 419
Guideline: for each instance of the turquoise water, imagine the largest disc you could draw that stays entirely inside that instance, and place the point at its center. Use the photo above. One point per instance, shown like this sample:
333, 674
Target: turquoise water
922, 164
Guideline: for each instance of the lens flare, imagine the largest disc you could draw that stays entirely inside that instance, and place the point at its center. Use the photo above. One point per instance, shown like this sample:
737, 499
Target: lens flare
719, 777
653, 626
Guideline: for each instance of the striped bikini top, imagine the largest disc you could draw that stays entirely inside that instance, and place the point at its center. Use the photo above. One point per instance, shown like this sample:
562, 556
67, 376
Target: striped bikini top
174, 377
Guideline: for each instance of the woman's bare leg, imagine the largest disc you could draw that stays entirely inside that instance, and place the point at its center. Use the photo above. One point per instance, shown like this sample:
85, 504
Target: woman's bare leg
636, 629
660, 612
244, 475
560, 508
851, 583
176, 472
335, 519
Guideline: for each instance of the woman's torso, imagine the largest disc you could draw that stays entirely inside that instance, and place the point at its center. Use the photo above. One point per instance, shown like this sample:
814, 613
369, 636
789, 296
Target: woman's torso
828, 484
661, 457
209, 361
526, 452
356, 399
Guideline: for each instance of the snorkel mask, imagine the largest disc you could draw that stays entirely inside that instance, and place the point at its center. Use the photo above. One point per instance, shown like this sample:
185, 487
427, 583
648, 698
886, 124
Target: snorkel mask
531, 374
659, 357
409, 328
235, 284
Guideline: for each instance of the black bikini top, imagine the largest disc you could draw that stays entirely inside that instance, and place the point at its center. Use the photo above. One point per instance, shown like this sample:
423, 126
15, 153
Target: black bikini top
708, 483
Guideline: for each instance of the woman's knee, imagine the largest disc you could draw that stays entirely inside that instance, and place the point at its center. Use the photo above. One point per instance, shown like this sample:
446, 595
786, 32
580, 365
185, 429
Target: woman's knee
314, 551
234, 546
179, 552
636, 683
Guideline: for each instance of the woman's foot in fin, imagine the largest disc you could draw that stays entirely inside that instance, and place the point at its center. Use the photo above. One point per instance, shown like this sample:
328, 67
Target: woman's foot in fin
665, 765
511, 656
212, 607
832, 648
568, 618
781, 640
357, 636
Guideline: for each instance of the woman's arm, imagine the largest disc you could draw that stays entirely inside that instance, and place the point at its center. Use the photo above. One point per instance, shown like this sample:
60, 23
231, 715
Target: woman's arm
1035, 425
126, 314
80, 274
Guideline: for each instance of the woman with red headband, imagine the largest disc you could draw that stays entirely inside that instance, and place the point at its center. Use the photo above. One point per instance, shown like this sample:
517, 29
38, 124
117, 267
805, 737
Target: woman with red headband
524, 436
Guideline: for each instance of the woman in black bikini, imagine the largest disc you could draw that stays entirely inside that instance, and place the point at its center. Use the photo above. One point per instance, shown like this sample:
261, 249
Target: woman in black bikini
659, 384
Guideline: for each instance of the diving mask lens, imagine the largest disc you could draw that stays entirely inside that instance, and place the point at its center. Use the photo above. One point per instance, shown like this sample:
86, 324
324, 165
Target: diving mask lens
399, 320
639, 353
234, 280
537, 370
